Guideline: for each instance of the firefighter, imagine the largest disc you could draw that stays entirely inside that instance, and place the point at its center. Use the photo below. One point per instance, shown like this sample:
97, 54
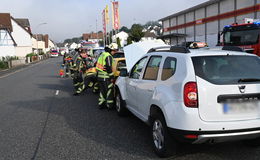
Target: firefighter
68, 63
105, 76
90, 74
79, 68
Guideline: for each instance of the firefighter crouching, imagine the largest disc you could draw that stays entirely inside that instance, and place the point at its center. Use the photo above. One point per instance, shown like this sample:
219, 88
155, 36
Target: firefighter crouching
105, 77
79, 68
90, 75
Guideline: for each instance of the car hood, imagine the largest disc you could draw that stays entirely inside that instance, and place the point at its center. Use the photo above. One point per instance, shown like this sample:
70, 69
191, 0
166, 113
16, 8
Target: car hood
135, 51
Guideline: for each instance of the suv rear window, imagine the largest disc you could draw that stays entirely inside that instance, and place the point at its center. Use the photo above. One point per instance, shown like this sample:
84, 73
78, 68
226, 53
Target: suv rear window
227, 69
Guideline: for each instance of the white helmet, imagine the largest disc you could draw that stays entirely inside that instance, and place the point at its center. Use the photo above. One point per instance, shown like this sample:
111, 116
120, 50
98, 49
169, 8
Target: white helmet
113, 46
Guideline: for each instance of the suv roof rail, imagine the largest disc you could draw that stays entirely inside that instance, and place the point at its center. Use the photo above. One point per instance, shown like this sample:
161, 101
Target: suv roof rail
159, 48
178, 49
232, 48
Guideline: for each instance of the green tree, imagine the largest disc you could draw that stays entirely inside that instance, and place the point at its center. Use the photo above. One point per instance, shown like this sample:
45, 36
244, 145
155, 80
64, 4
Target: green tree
136, 32
118, 41
124, 29
152, 24
129, 40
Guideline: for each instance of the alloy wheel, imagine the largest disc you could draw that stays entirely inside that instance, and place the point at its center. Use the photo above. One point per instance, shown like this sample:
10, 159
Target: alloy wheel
118, 103
158, 135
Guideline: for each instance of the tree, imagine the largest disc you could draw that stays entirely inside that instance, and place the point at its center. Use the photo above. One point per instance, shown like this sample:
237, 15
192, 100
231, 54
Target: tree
152, 24
118, 41
136, 32
124, 29
129, 40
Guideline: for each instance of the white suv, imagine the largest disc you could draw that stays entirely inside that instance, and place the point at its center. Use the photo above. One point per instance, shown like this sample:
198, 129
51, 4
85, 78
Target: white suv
197, 96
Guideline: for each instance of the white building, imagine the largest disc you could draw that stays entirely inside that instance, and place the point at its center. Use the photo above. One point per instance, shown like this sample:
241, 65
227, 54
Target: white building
148, 36
203, 22
7, 43
73, 45
122, 36
22, 38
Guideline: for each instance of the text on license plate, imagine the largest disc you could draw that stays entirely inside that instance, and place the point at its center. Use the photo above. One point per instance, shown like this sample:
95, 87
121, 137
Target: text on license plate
243, 107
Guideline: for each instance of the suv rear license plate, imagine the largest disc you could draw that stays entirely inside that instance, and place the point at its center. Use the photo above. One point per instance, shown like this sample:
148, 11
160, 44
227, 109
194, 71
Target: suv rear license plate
243, 107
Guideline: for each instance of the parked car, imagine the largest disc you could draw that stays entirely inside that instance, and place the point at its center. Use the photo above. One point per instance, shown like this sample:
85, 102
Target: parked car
119, 63
54, 53
195, 96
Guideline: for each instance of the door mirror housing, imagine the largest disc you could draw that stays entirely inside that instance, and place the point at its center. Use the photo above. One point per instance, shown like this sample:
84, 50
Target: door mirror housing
123, 72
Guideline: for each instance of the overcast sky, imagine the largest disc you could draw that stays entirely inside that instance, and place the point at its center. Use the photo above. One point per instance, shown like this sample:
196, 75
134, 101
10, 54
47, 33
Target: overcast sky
71, 18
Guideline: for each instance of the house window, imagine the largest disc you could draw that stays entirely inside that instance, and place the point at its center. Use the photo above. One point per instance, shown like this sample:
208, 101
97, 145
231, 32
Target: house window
5, 39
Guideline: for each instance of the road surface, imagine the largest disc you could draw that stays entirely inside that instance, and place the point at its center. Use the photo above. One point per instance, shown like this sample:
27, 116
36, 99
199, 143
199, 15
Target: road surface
41, 120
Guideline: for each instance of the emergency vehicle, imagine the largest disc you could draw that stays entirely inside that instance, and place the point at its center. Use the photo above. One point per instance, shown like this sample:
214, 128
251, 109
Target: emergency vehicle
245, 36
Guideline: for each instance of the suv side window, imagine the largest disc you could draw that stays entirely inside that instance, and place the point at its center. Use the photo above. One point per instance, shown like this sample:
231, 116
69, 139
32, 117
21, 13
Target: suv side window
137, 69
152, 69
169, 68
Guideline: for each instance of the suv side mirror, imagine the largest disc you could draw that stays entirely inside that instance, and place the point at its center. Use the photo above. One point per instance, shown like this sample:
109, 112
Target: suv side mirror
123, 72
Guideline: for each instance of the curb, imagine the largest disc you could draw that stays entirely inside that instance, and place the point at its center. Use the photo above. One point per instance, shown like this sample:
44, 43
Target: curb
2, 72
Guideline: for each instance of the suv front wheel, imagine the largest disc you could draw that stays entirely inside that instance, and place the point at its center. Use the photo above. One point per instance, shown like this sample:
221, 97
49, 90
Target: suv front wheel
120, 104
163, 144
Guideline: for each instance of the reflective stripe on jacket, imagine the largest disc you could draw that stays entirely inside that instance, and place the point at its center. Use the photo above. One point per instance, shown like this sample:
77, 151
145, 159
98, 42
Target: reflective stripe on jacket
101, 66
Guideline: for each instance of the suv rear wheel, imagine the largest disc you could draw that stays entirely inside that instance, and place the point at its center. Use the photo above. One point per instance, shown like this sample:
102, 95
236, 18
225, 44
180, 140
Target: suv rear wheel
120, 105
163, 144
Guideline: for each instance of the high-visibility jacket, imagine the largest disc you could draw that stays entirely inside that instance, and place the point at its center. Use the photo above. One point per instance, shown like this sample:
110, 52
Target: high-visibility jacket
102, 66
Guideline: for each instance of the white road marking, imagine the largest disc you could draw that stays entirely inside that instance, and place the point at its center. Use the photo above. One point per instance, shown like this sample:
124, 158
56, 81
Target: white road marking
57, 92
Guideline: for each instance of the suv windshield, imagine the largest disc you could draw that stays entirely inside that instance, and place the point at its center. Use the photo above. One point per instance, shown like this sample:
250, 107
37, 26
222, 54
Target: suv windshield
227, 69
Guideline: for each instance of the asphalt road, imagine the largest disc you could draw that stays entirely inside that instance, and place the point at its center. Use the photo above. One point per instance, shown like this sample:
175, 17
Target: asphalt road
41, 120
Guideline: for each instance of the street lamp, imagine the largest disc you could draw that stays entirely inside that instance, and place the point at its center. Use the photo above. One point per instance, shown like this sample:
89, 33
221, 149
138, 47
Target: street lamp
37, 38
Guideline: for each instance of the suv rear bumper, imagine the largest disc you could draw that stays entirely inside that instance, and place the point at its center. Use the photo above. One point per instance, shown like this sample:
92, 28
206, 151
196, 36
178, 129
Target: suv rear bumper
198, 137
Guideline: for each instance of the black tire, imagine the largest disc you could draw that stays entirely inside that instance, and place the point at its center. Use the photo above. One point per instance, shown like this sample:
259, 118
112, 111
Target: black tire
164, 145
120, 104
253, 142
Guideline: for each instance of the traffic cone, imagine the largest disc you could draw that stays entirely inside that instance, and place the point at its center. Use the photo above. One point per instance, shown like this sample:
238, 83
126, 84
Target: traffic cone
61, 72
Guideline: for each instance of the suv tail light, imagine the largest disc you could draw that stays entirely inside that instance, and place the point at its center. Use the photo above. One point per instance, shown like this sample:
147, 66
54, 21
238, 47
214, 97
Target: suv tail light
190, 95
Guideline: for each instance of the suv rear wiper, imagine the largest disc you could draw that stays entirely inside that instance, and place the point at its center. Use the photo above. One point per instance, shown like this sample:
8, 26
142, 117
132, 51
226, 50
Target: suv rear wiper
248, 80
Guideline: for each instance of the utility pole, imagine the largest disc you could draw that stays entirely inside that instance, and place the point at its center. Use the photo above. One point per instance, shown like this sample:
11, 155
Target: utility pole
37, 39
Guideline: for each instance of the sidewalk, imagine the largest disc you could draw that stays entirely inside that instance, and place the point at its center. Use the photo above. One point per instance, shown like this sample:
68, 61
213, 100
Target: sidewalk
10, 70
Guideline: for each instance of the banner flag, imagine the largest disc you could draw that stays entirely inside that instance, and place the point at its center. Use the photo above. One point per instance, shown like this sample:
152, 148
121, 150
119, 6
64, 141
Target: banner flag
115, 11
104, 21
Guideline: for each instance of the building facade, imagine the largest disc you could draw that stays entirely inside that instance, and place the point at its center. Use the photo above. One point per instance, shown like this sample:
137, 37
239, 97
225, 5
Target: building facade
203, 22
22, 38
7, 42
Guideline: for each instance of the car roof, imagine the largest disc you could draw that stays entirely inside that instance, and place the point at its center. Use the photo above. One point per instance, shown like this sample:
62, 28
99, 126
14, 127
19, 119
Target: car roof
202, 52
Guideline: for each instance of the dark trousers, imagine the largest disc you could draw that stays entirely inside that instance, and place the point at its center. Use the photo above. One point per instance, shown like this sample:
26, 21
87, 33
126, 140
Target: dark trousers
106, 95
78, 83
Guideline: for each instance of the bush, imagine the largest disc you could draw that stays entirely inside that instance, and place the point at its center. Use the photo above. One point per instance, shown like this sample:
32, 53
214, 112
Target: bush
41, 53
9, 58
3, 64
31, 54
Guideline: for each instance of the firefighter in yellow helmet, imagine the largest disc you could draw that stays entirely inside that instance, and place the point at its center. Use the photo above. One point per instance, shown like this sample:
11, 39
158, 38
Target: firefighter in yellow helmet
105, 76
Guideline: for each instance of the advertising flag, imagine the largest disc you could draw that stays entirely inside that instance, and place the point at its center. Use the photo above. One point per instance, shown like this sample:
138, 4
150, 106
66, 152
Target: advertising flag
116, 19
104, 21
107, 14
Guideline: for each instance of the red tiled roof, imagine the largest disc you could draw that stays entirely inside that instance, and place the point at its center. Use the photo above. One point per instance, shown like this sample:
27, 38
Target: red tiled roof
5, 21
87, 36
